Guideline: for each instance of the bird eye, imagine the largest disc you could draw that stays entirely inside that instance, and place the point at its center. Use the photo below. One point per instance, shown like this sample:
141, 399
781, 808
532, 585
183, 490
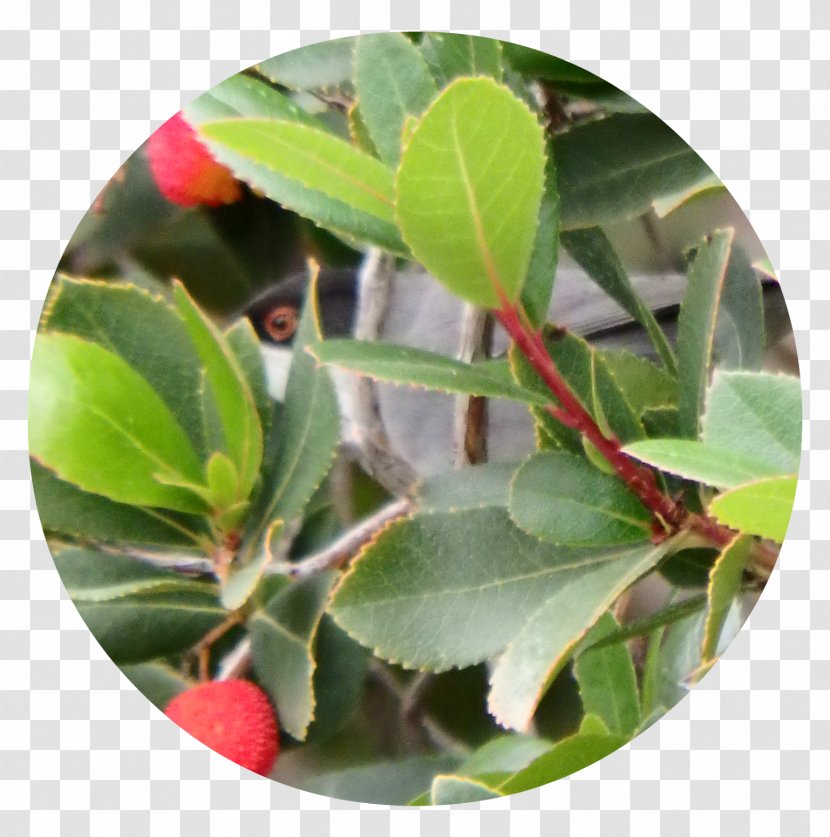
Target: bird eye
281, 323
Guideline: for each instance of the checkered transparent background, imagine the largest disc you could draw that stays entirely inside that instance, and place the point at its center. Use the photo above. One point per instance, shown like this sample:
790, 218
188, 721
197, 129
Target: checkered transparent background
82, 84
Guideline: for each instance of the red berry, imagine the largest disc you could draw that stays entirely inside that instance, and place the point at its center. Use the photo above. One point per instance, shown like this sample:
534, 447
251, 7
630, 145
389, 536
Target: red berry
184, 170
232, 717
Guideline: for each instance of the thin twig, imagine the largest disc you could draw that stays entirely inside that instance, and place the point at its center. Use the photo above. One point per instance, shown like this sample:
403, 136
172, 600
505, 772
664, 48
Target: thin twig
375, 453
344, 547
236, 662
471, 411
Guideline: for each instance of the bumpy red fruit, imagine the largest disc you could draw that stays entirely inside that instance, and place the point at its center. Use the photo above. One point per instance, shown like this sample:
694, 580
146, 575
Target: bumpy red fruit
184, 170
232, 717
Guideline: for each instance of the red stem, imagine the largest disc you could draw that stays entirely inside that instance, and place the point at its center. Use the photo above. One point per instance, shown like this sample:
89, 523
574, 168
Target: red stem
571, 413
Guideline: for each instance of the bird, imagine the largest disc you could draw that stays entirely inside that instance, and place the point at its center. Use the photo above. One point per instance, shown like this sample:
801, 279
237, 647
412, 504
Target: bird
423, 314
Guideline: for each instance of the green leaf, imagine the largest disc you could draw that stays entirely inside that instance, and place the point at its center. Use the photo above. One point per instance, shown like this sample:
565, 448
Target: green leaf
689, 567
359, 132
696, 327
544, 257
145, 331
382, 782
242, 341
563, 499
313, 172
469, 188
758, 415
451, 55
339, 677
282, 649
710, 464
455, 790
323, 65
392, 81
66, 509
97, 423
478, 487
243, 580
646, 387
231, 395
585, 747
587, 374
158, 682
222, 481
94, 576
614, 168
416, 367
608, 682
592, 250
659, 619
759, 508
244, 95
504, 754
739, 331
472, 573
303, 444
724, 585
137, 612
537, 653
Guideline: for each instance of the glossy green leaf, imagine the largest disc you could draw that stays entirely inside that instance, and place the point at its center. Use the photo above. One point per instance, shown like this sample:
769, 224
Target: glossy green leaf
587, 374
229, 391
689, 567
282, 649
246, 96
339, 677
709, 464
157, 681
504, 754
739, 331
65, 509
537, 653
323, 65
302, 446
145, 331
758, 415
382, 782
645, 386
417, 367
471, 572
469, 187
137, 612
759, 508
614, 168
574, 753
243, 342
243, 580
455, 790
724, 585
563, 499
313, 172
640, 627
97, 423
544, 257
450, 55
592, 250
392, 81
696, 327
478, 487
93, 576
608, 681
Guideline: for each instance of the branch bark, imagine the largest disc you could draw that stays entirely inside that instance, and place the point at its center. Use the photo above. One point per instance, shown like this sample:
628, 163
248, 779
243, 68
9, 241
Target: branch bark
374, 451
471, 418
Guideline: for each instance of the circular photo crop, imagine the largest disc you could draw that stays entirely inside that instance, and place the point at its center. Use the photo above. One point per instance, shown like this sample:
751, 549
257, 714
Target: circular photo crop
414, 418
